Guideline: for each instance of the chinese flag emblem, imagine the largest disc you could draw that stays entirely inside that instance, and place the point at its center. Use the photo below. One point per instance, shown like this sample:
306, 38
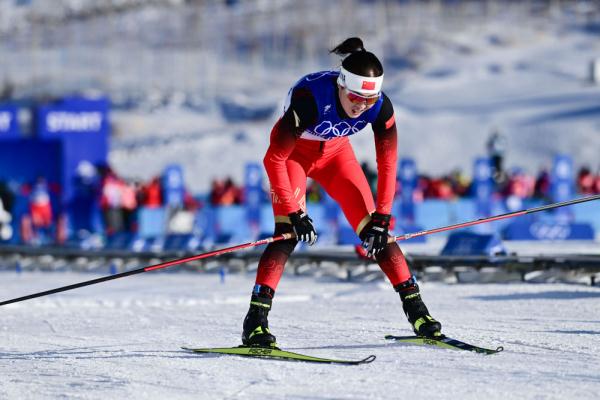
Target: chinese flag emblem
368, 85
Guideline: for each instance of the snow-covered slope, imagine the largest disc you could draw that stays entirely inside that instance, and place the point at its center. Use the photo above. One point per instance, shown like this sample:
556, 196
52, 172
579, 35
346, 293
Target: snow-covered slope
121, 340
531, 83
455, 71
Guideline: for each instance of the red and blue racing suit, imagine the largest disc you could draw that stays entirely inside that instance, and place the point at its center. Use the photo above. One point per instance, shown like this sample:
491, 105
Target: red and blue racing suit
311, 140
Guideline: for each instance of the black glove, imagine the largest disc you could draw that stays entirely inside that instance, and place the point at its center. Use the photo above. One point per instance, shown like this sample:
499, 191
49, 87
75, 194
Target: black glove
303, 227
375, 233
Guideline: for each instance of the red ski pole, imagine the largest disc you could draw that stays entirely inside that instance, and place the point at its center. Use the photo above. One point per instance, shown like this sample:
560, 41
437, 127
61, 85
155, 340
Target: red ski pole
167, 264
286, 236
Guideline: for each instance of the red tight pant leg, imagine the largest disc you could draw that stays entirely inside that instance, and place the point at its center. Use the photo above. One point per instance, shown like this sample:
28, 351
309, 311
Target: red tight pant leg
333, 165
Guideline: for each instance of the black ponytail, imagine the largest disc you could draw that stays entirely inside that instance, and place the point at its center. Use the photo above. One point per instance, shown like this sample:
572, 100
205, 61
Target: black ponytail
349, 46
358, 60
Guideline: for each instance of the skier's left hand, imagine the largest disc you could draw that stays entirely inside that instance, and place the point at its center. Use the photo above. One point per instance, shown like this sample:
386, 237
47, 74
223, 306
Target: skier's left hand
375, 234
303, 227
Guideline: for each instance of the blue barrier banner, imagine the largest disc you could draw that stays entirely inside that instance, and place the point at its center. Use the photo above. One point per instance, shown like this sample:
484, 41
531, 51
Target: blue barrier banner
24, 160
473, 244
562, 179
173, 186
332, 209
253, 192
562, 184
408, 181
151, 222
230, 226
483, 186
81, 127
72, 116
9, 124
548, 230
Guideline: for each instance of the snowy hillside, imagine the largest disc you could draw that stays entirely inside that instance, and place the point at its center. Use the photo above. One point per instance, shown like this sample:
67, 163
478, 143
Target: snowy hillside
122, 339
530, 82
454, 71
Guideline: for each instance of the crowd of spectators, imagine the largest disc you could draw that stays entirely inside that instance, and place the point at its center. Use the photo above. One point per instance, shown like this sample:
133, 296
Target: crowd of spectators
588, 182
514, 182
118, 199
98, 190
37, 225
225, 193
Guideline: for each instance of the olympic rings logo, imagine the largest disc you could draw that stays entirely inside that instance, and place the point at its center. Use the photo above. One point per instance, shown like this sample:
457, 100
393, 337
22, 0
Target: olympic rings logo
550, 231
327, 130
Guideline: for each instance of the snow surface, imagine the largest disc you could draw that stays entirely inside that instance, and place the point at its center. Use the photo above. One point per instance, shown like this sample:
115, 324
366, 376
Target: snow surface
121, 340
524, 75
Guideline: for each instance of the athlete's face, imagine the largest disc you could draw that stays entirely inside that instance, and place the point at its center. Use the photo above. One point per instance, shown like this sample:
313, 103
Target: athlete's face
354, 104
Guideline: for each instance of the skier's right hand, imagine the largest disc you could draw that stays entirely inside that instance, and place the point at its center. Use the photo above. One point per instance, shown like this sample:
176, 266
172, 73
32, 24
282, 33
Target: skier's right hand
375, 234
303, 227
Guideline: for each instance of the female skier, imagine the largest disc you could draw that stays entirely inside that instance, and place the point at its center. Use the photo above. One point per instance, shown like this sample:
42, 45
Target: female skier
311, 140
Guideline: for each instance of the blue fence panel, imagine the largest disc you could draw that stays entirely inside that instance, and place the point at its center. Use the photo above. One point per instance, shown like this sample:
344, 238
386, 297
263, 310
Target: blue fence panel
461, 210
346, 235
470, 244
151, 222
229, 224
232, 225
120, 241
587, 212
267, 221
483, 186
181, 242
253, 177
433, 214
326, 228
562, 184
543, 230
317, 214
408, 175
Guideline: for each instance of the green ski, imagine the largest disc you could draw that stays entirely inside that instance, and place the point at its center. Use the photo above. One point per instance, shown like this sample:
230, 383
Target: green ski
443, 342
277, 354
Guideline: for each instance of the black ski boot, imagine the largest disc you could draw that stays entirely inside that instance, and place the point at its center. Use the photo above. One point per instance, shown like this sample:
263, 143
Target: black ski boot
423, 324
256, 326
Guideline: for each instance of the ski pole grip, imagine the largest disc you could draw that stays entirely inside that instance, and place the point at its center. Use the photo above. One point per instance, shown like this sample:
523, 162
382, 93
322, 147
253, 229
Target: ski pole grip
287, 236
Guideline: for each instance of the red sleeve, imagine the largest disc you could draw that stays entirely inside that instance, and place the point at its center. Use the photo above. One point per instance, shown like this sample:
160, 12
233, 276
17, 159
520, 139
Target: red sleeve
283, 141
386, 149
302, 112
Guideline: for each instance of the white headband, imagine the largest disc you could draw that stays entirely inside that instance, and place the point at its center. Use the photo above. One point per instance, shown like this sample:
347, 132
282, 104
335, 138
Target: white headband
362, 84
